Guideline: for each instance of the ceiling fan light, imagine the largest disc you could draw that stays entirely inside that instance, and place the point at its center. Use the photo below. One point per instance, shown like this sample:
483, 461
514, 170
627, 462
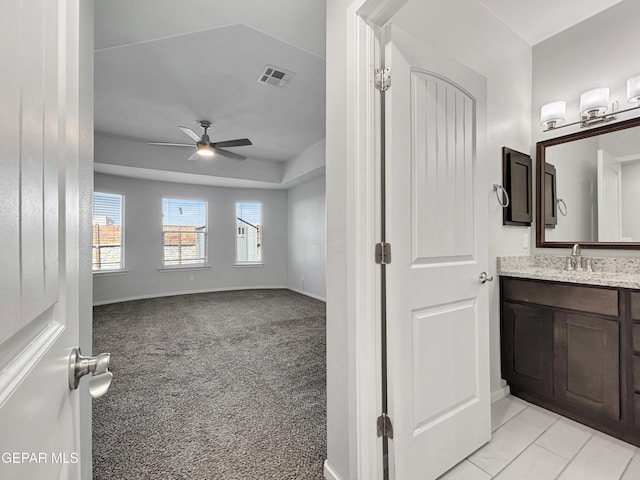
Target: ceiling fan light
205, 150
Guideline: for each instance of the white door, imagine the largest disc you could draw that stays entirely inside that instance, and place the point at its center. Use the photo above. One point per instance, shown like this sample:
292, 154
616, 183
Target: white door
437, 309
43, 163
609, 198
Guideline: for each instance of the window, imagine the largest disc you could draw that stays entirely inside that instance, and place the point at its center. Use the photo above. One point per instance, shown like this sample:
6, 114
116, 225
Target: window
184, 232
108, 232
248, 233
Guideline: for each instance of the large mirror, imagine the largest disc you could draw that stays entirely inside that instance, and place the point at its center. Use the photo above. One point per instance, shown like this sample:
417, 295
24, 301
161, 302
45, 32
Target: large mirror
588, 188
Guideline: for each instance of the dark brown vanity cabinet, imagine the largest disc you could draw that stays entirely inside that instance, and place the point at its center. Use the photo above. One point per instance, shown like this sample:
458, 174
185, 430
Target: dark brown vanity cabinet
634, 349
574, 349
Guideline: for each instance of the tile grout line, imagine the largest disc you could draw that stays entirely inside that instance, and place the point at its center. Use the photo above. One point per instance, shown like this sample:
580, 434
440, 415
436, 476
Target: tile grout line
626, 467
575, 455
532, 442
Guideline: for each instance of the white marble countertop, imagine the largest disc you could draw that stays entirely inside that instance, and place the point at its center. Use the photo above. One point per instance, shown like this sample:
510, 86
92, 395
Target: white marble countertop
607, 272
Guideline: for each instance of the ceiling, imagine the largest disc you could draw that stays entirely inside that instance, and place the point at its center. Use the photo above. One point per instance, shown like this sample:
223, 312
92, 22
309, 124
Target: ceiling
163, 64
537, 20
144, 90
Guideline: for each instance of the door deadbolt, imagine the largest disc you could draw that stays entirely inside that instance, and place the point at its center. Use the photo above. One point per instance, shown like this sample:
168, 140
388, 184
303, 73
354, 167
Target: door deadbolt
98, 366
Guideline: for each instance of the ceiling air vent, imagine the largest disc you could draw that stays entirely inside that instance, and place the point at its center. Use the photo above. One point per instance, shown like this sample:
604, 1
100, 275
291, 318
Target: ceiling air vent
278, 77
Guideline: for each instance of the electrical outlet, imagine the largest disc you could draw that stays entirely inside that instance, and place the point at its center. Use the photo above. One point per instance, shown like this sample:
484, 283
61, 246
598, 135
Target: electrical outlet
525, 240
191, 276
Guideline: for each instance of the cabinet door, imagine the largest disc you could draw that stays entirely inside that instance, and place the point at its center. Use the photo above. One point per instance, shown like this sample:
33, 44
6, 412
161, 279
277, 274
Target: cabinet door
527, 347
516, 179
587, 363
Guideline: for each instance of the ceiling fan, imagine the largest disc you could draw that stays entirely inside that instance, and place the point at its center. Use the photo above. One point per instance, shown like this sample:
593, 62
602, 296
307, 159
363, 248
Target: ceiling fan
205, 147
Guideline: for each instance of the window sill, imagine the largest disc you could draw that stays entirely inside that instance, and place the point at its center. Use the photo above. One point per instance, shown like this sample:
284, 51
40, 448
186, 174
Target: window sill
109, 273
182, 268
249, 264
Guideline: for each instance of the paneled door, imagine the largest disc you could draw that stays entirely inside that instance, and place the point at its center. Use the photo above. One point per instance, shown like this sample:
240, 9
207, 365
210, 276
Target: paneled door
437, 307
44, 150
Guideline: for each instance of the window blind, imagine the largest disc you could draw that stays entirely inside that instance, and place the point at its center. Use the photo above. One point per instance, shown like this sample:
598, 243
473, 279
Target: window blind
108, 232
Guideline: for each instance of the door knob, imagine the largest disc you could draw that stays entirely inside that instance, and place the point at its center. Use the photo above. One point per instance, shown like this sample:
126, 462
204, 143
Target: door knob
98, 366
484, 278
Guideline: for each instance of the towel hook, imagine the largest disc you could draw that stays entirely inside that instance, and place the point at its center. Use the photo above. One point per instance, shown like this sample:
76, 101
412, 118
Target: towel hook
504, 201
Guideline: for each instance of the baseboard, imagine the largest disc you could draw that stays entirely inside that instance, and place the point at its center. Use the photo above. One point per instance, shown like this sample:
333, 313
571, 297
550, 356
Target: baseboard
329, 474
188, 292
500, 393
308, 294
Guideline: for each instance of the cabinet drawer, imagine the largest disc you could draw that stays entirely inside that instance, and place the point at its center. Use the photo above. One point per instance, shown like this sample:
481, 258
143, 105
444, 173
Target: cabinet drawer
584, 299
635, 305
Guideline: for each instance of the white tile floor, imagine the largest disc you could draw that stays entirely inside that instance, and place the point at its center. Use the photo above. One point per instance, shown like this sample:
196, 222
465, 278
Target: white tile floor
531, 443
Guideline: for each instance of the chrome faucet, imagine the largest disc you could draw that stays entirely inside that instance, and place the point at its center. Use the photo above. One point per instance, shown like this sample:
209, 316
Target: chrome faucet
576, 257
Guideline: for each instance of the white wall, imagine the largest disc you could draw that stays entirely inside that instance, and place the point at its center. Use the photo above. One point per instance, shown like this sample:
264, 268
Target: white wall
471, 34
576, 183
143, 220
307, 241
591, 54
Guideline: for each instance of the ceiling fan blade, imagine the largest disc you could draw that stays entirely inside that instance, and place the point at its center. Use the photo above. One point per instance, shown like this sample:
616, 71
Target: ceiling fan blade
173, 144
190, 133
195, 156
240, 142
229, 154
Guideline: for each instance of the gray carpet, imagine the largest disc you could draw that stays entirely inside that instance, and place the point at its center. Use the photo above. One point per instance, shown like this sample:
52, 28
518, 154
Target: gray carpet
227, 385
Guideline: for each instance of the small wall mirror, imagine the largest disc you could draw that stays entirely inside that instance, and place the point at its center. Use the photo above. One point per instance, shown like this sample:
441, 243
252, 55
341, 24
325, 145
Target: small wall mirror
588, 188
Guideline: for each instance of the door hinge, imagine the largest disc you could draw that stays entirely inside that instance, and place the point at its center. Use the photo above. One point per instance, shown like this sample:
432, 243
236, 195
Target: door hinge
385, 429
383, 253
382, 80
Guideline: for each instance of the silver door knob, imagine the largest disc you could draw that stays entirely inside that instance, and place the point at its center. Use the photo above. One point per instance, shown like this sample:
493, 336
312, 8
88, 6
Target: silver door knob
484, 278
98, 366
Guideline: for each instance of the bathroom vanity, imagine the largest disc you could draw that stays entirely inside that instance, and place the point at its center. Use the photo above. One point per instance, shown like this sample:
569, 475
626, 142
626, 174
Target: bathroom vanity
570, 340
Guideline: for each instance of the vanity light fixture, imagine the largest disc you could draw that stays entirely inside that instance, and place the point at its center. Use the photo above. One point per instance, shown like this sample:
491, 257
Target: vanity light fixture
594, 104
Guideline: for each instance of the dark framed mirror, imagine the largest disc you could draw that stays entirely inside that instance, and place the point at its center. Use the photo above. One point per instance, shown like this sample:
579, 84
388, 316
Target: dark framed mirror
588, 188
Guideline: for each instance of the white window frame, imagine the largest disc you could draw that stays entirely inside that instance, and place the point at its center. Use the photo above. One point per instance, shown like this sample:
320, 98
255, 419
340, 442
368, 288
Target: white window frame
185, 266
121, 269
242, 263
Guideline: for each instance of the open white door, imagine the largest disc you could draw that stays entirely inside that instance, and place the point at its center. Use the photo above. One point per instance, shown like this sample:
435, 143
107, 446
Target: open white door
609, 198
437, 308
45, 154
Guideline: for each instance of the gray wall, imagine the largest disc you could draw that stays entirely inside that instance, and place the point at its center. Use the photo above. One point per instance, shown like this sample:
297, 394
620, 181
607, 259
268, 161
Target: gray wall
307, 241
143, 219
576, 178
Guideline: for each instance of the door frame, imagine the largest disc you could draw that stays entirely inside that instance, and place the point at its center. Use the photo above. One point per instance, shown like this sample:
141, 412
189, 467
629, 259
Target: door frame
364, 21
78, 199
